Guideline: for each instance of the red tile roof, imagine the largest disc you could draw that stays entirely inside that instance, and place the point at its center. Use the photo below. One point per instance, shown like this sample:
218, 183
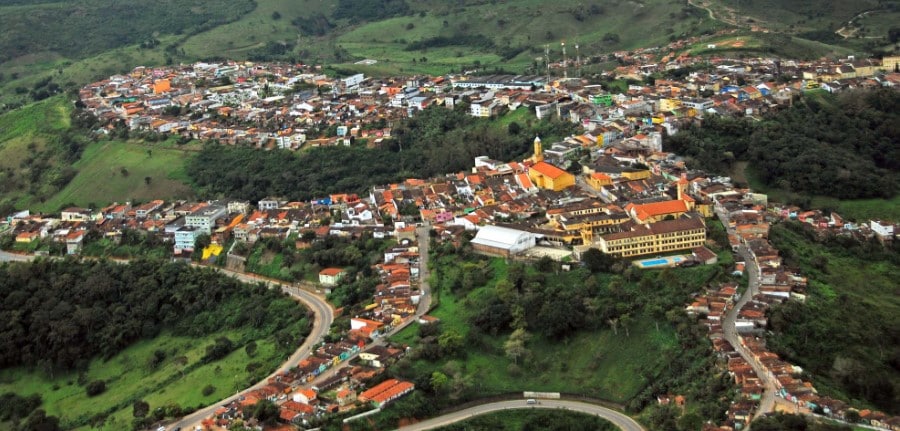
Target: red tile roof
548, 170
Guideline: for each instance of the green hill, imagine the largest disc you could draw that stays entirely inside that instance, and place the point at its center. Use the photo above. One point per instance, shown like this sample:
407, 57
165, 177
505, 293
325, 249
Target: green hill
57, 46
47, 162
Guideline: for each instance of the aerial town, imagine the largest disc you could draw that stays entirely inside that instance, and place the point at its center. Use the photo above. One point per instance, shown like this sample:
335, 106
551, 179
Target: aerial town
633, 200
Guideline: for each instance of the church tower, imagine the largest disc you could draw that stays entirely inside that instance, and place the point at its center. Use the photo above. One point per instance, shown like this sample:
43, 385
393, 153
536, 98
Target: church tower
538, 150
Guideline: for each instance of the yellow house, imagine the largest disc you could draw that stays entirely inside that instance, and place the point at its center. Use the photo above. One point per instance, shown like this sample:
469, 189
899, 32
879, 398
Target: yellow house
669, 104
549, 177
598, 180
661, 237
636, 174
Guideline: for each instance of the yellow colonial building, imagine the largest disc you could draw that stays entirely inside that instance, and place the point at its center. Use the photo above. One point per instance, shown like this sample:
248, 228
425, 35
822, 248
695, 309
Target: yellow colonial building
546, 176
657, 238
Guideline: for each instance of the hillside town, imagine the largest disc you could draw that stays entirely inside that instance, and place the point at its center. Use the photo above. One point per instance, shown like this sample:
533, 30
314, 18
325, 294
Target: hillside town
632, 200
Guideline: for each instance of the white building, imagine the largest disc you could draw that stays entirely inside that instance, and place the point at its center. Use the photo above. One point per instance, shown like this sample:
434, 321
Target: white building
185, 238
502, 241
205, 218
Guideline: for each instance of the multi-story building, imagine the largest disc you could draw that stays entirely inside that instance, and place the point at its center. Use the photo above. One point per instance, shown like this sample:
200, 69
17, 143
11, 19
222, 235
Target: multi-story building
185, 237
205, 218
661, 237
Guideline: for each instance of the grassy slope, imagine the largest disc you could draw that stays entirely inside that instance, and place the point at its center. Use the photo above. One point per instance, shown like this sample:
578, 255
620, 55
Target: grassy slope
128, 378
100, 180
529, 23
800, 15
599, 363
852, 291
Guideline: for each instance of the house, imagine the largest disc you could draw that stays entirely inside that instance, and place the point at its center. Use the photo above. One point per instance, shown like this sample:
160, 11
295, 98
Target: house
704, 256
331, 276
502, 241
76, 214
74, 241
304, 396
346, 397
387, 391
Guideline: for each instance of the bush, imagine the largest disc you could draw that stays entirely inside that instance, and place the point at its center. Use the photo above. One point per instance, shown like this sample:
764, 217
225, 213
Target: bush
95, 388
208, 390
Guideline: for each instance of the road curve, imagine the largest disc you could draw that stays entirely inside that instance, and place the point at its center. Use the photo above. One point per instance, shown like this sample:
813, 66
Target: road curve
323, 317
624, 422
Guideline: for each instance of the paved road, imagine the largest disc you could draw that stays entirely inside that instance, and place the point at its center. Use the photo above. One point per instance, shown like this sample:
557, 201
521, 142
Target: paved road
324, 316
13, 257
767, 402
618, 419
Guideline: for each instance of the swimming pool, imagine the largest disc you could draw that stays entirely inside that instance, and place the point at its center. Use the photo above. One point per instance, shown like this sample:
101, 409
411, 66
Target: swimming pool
659, 262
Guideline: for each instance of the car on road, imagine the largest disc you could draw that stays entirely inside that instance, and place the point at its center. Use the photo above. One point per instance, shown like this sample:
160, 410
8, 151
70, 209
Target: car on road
530, 401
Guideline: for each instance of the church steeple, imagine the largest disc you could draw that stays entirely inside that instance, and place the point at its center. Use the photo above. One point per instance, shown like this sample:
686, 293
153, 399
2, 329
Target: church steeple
538, 150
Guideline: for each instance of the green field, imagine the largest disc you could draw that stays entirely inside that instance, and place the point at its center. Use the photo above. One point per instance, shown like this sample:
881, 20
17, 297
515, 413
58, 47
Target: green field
128, 378
597, 363
101, 179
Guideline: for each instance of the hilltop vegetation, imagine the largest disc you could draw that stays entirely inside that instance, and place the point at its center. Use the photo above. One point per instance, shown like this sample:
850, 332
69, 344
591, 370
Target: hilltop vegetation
606, 331
434, 142
843, 146
533, 420
49, 158
66, 319
847, 334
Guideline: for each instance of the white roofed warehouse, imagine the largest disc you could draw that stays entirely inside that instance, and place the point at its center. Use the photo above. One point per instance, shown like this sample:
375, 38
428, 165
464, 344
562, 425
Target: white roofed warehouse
502, 241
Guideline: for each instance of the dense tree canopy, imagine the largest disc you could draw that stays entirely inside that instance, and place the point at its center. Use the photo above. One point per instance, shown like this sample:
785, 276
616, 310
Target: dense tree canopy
844, 146
433, 142
59, 314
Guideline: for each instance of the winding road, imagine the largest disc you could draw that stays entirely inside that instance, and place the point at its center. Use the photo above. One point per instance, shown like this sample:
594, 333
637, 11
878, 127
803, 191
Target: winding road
618, 419
323, 317
767, 402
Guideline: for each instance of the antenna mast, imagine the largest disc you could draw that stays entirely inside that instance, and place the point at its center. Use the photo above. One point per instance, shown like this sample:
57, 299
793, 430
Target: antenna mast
565, 62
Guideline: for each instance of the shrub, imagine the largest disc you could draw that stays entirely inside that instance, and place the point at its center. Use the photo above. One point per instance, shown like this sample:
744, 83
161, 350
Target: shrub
95, 388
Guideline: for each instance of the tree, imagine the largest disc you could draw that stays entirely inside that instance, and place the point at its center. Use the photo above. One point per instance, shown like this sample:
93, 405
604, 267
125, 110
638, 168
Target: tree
264, 411
515, 345
140, 409
852, 416
147, 180
202, 241
95, 388
597, 261
450, 342
276, 15
439, 381
250, 348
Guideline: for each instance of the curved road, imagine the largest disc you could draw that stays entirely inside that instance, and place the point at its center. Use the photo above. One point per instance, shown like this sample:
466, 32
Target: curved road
323, 317
767, 402
618, 419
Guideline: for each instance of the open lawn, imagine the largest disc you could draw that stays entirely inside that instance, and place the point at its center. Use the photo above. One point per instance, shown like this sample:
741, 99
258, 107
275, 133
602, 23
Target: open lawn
129, 377
599, 363
118, 171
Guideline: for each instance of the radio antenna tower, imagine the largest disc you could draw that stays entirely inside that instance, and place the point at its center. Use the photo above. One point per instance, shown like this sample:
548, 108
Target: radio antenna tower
577, 61
547, 60
565, 62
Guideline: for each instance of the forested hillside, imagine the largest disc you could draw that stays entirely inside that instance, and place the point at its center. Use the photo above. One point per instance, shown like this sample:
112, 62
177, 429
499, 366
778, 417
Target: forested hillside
843, 146
847, 334
57, 315
434, 142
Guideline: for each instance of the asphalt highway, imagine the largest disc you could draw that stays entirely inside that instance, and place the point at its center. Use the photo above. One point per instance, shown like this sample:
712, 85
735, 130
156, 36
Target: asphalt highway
618, 419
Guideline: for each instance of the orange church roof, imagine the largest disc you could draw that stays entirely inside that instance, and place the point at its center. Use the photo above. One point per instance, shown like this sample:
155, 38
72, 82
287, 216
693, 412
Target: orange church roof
548, 170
